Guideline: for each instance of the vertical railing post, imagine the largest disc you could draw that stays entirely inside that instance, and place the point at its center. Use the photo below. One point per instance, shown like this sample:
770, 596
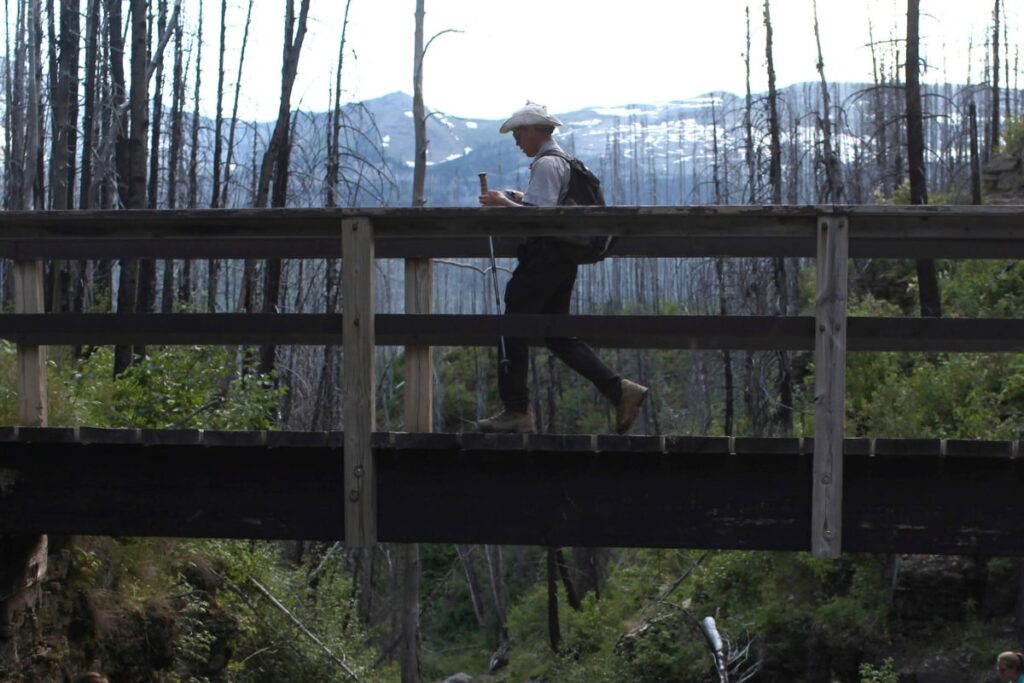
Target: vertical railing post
28, 298
25, 557
829, 385
359, 381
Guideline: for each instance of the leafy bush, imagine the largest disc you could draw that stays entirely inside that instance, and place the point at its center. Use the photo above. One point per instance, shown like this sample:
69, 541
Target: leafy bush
179, 387
881, 674
1013, 136
268, 644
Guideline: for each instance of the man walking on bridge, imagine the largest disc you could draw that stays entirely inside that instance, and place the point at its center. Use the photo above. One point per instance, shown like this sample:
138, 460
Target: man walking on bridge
543, 282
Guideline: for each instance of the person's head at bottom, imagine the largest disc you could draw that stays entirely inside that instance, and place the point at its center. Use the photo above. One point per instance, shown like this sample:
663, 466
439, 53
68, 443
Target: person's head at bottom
1010, 666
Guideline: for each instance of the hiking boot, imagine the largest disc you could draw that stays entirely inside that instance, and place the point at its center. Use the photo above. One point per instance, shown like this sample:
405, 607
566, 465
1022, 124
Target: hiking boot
508, 422
628, 408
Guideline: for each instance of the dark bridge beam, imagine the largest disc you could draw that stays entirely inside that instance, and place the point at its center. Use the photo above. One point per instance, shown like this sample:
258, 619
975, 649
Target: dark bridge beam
899, 495
633, 331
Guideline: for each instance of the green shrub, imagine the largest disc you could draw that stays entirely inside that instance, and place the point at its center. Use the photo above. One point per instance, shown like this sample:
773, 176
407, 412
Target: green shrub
881, 674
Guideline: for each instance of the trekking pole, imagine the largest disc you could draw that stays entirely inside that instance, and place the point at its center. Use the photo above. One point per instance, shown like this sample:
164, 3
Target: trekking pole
503, 362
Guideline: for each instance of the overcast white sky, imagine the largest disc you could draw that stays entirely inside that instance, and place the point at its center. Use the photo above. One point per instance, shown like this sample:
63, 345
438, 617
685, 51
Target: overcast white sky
570, 54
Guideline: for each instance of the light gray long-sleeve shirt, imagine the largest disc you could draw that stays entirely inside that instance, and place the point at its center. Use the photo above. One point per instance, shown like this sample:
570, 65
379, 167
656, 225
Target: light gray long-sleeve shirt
549, 178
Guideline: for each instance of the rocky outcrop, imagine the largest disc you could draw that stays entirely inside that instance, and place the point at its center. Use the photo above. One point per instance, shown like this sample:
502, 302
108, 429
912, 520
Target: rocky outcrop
935, 587
1003, 178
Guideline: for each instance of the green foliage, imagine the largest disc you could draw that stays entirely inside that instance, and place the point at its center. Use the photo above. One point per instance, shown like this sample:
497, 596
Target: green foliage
267, 644
881, 674
643, 629
452, 640
944, 395
62, 404
180, 387
464, 372
901, 196
1013, 136
985, 289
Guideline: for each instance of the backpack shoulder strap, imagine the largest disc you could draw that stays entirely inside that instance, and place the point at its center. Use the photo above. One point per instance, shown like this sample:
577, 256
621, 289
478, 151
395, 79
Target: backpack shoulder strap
556, 153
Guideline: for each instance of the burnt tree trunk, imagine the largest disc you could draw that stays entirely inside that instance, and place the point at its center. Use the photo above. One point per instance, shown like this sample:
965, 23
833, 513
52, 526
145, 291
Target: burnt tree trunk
775, 146
15, 109
158, 106
70, 60
784, 381
173, 162
63, 72
571, 596
465, 554
65, 66
326, 407
147, 268
10, 115
994, 137
727, 372
129, 268
419, 116
133, 275
926, 276
334, 133
234, 109
86, 197
499, 592
833, 177
878, 111
35, 164
212, 265
276, 158
219, 119
409, 566
554, 630
975, 160
193, 169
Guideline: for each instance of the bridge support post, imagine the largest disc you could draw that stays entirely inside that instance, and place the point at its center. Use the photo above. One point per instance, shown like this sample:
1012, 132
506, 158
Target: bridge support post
359, 381
829, 385
23, 559
28, 298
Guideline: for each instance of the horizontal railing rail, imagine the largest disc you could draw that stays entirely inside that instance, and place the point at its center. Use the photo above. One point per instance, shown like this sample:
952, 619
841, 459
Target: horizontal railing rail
893, 231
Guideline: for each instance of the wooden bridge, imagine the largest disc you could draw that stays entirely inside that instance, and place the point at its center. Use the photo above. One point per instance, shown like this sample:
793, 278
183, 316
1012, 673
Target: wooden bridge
825, 494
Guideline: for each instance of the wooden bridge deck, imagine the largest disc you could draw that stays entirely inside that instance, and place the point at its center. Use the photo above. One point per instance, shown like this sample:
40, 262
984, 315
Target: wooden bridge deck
925, 496
831, 495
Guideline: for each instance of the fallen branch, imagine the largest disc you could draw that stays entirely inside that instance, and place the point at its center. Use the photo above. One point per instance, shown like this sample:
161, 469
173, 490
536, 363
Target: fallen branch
302, 627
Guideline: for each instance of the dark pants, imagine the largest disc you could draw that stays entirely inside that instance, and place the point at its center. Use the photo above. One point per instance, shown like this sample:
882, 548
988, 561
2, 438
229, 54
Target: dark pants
542, 283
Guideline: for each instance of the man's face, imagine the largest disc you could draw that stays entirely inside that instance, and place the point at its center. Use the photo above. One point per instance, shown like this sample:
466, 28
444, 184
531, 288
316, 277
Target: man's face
528, 139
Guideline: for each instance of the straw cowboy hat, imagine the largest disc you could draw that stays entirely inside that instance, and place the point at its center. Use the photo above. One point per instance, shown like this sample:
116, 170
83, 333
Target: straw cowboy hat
532, 114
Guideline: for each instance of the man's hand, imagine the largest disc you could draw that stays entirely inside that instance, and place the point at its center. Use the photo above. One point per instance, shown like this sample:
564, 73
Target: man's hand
501, 198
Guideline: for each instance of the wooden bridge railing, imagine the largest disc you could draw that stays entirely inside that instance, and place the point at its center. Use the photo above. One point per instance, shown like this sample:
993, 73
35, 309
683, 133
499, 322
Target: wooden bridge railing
830, 234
